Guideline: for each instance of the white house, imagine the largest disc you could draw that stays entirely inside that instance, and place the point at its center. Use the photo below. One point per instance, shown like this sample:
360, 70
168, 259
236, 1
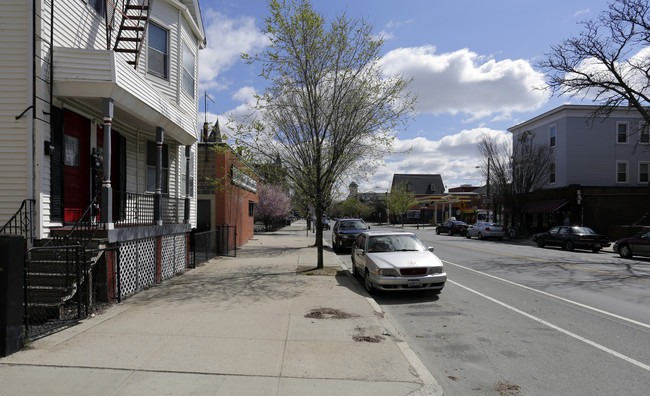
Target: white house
599, 174
98, 128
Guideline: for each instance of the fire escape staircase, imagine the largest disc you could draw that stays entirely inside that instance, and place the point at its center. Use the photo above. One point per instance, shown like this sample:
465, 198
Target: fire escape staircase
132, 29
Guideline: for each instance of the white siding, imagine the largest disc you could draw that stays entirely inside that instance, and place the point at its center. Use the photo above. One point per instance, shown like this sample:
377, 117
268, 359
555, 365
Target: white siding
15, 97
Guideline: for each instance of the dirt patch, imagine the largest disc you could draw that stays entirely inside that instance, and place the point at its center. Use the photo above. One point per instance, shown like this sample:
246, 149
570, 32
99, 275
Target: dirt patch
362, 337
325, 271
507, 389
451, 377
328, 313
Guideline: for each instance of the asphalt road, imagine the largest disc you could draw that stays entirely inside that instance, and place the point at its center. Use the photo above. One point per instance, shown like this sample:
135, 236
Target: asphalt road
515, 319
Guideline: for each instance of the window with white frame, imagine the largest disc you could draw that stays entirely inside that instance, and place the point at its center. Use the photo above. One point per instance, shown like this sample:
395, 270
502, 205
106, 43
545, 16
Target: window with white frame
552, 135
152, 155
158, 51
621, 132
186, 177
551, 175
98, 5
643, 172
188, 70
621, 172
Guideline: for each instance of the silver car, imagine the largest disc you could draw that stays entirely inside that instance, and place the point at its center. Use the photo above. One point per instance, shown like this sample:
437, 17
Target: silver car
484, 230
396, 261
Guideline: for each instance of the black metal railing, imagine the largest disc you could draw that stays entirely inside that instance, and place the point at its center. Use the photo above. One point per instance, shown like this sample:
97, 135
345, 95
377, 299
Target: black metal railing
85, 228
56, 288
22, 222
132, 209
205, 245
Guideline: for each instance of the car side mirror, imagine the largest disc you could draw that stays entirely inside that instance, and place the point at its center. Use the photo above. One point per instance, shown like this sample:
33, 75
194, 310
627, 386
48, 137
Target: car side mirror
359, 252
430, 248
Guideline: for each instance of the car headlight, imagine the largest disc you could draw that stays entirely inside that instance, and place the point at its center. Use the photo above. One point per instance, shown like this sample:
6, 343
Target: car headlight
387, 272
435, 270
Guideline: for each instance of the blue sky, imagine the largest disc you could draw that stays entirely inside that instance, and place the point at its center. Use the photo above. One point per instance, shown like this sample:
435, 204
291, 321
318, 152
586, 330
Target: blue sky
472, 61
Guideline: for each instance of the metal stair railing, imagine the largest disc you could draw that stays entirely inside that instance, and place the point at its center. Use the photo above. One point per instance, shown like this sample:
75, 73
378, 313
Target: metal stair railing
22, 222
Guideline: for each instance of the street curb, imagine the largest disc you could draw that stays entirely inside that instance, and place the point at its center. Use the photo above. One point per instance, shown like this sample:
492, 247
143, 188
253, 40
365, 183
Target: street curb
431, 386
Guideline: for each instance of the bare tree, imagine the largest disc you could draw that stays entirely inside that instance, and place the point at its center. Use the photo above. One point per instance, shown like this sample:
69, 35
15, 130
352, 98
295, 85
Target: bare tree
516, 168
329, 108
608, 62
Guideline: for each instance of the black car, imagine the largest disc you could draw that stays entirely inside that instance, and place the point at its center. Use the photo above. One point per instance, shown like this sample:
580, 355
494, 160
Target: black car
346, 231
451, 227
572, 237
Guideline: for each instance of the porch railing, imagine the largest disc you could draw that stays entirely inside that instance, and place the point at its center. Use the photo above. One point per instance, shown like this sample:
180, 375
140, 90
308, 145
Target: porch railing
132, 209
22, 222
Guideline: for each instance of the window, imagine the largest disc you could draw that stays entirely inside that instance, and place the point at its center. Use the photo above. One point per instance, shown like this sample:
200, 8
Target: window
251, 209
188, 71
186, 177
551, 178
71, 151
151, 167
552, 135
621, 172
409, 186
98, 5
621, 132
158, 54
643, 172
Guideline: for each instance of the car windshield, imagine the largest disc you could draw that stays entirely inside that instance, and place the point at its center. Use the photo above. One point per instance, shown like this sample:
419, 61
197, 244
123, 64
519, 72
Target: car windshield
353, 225
393, 243
583, 230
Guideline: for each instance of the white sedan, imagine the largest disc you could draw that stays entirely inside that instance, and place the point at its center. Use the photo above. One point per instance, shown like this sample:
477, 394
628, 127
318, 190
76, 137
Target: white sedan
484, 230
396, 261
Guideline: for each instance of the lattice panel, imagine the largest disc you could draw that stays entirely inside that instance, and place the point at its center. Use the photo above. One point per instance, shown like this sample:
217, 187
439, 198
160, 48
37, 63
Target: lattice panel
128, 276
137, 265
181, 250
168, 256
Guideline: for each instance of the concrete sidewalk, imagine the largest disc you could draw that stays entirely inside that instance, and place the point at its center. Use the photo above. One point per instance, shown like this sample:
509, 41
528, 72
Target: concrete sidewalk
250, 325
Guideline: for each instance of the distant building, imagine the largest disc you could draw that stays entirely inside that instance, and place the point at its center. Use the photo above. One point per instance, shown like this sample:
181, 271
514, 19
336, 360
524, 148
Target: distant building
600, 172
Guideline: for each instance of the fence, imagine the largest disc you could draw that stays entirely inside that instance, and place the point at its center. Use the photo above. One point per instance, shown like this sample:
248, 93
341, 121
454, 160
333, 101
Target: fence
205, 245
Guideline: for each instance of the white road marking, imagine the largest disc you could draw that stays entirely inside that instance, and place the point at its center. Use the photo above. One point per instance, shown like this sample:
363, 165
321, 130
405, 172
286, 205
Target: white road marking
647, 326
561, 330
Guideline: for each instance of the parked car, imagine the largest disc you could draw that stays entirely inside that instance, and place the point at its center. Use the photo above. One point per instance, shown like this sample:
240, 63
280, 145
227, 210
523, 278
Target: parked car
396, 261
639, 245
326, 223
571, 237
451, 227
346, 231
484, 230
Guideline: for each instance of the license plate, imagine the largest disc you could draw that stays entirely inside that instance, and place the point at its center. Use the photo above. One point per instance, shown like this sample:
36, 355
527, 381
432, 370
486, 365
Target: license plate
414, 283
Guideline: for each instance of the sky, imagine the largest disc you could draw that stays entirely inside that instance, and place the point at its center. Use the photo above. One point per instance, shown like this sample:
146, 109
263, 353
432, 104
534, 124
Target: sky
473, 64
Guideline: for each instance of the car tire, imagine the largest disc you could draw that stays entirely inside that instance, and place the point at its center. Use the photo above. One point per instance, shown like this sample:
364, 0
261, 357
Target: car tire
625, 251
367, 283
468, 236
540, 243
450, 232
437, 231
595, 249
568, 245
479, 236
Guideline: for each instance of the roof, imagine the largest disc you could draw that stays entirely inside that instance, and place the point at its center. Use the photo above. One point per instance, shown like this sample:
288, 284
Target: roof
421, 184
376, 233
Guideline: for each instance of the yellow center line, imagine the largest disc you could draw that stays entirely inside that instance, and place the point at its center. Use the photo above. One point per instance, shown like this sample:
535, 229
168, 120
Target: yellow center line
573, 266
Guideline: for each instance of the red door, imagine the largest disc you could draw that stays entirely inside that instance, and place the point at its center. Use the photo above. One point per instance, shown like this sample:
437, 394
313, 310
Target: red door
76, 165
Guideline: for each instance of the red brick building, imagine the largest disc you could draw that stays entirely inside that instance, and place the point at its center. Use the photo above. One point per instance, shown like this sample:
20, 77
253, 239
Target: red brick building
227, 191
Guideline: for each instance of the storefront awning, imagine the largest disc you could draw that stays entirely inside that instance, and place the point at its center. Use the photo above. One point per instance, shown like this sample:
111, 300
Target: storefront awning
546, 206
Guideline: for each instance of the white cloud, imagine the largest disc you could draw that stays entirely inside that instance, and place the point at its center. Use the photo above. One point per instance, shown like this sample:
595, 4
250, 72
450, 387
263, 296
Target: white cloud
580, 12
454, 157
227, 39
464, 82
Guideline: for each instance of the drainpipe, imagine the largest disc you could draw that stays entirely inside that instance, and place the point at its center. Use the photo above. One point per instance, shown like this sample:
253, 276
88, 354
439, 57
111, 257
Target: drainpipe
188, 188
